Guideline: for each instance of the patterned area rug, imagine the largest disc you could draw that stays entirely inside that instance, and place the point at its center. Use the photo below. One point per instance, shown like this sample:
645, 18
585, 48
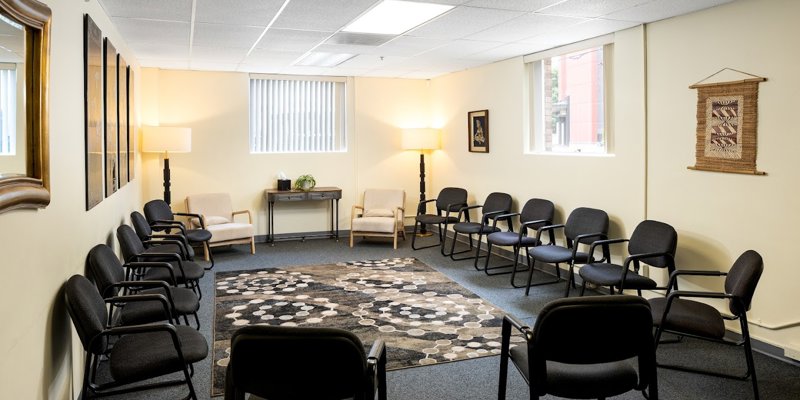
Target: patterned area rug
423, 316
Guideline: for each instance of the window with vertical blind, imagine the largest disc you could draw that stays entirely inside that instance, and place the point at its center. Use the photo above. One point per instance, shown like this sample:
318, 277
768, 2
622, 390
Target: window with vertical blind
8, 109
298, 115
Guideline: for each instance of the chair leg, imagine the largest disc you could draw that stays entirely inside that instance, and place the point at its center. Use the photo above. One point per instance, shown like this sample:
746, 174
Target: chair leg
395, 240
252, 245
570, 278
748, 353
414, 238
351, 239
209, 255
505, 336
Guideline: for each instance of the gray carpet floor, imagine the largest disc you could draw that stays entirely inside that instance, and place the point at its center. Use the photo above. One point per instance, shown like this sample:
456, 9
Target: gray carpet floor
478, 379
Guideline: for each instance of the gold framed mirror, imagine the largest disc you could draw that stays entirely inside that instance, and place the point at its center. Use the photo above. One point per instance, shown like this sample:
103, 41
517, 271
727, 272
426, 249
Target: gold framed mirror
28, 186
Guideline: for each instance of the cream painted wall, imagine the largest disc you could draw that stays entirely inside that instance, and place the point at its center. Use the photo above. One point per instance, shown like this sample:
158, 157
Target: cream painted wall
215, 106
568, 181
39, 353
718, 216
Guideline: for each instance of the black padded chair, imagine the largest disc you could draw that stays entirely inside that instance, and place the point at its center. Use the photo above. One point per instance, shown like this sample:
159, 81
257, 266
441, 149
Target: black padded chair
652, 243
496, 204
676, 314
535, 214
288, 363
183, 271
108, 274
177, 242
559, 356
584, 225
160, 215
139, 352
449, 200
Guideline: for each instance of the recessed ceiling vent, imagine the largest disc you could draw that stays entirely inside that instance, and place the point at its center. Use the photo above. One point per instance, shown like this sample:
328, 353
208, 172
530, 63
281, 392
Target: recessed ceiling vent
360, 39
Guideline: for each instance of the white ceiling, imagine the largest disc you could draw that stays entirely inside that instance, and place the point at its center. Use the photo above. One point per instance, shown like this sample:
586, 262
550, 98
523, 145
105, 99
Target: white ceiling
270, 36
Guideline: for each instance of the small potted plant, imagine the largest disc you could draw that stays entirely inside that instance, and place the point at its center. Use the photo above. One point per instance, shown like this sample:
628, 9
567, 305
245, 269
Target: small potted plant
305, 182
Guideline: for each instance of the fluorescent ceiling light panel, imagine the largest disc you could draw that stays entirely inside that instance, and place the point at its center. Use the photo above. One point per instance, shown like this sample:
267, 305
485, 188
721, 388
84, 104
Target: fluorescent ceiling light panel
323, 59
392, 17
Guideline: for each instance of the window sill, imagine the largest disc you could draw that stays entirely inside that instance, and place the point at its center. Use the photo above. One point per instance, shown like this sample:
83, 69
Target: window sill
575, 154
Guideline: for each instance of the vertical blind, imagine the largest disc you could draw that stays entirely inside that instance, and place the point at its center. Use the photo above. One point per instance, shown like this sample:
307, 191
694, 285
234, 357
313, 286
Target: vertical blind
296, 116
8, 111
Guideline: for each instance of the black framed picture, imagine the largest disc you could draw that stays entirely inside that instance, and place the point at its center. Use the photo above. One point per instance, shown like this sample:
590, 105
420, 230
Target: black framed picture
93, 110
478, 131
111, 118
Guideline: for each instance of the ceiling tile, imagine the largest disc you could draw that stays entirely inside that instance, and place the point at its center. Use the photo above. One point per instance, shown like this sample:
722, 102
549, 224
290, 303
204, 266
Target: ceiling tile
160, 50
525, 27
409, 45
173, 10
658, 10
591, 8
291, 40
151, 32
229, 55
237, 12
215, 35
515, 5
463, 21
272, 58
315, 15
212, 66
164, 64
462, 48
371, 61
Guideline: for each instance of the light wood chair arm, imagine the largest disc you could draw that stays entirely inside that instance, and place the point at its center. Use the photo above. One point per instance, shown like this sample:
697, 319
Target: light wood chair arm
249, 216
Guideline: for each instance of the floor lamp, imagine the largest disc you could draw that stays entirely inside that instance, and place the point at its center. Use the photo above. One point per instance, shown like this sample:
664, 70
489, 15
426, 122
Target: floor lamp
166, 139
421, 139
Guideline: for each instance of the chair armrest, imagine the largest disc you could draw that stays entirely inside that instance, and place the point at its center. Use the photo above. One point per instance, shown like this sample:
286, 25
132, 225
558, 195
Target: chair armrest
464, 212
176, 258
169, 222
181, 245
577, 241
550, 229
673, 277
507, 217
605, 243
422, 206
377, 351
249, 216
168, 304
494, 215
136, 285
153, 264
509, 321
353, 211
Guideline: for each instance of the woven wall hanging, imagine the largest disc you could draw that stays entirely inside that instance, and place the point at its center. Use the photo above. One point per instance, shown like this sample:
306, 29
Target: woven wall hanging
727, 121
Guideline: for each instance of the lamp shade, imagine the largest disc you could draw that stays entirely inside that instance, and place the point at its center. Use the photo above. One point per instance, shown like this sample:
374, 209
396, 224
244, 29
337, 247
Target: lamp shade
420, 139
158, 139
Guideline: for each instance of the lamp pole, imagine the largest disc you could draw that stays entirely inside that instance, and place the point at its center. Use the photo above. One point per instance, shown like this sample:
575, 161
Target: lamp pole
167, 195
421, 206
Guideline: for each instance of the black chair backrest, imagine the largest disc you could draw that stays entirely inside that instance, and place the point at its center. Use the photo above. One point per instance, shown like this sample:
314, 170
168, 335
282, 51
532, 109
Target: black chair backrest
87, 311
105, 269
141, 226
583, 220
535, 210
621, 328
742, 280
278, 362
451, 195
158, 210
129, 243
654, 237
497, 201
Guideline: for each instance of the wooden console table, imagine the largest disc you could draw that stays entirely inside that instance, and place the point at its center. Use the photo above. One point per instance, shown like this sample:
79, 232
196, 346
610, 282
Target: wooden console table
332, 194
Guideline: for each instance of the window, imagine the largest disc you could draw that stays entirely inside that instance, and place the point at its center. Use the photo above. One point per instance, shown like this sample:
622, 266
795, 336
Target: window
568, 101
291, 115
8, 109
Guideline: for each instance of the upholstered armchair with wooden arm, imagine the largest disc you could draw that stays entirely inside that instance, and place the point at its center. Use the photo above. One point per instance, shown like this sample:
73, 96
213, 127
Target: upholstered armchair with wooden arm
219, 218
380, 215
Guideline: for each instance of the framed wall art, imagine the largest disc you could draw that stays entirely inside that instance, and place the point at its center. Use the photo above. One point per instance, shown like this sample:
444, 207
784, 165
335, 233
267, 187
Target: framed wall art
122, 125
478, 131
93, 110
110, 113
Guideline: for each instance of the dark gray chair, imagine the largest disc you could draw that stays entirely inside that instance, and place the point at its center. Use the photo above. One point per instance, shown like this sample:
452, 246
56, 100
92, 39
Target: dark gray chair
676, 314
183, 271
652, 243
160, 216
496, 204
134, 353
108, 274
449, 200
177, 243
584, 226
289, 363
535, 214
583, 348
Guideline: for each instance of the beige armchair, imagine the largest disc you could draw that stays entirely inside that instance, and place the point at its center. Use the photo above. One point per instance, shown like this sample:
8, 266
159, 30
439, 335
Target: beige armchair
218, 217
381, 215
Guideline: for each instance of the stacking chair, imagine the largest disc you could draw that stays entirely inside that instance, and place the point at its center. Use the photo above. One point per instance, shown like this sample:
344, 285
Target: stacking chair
108, 274
679, 315
449, 200
652, 243
185, 272
139, 352
584, 225
558, 356
381, 215
159, 214
535, 214
172, 243
496, 204
287, 363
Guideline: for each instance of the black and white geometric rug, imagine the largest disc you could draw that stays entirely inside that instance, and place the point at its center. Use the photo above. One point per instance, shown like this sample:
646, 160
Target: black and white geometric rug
423, 316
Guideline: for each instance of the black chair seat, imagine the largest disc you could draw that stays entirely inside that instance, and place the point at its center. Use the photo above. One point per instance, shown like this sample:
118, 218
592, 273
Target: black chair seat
511, 239
689, 316
138, 357
170, 248
611, 274
185, 301
198, 235
192, 272
557, 254
435, 219
581, 381
474, 228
